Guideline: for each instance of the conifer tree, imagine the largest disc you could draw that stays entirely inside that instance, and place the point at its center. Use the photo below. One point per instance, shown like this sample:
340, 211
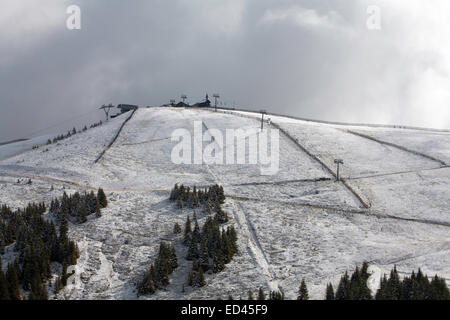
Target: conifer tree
193, 253
343, 290
187, 231
102, 198
4, 292
201, 278
330, 292
276, 295
204, 256
176, 228
12, 279
98, 211
303, 291
218, 262
58, 285
261, 294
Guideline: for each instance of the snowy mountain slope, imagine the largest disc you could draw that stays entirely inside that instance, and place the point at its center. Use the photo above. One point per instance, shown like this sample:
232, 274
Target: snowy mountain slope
435, 144
71, 158
296, 224
12, 149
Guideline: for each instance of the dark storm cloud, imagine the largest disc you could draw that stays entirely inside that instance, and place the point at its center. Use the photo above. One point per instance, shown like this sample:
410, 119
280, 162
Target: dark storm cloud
307, 58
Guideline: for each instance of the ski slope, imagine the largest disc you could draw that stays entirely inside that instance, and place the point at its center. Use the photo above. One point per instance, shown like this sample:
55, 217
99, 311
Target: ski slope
298, 223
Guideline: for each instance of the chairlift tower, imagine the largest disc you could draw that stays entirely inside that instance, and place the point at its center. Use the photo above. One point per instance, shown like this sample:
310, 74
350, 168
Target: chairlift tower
107, 108
263, 112
338, 162
216, 96
183, 97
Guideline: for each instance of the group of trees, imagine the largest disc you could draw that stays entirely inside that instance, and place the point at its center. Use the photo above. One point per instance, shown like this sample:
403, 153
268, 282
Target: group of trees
72, 133
273, 295
417, 286
37, 243
209, 248
277, 295
352, 287
78, 207
157, 276
210, 199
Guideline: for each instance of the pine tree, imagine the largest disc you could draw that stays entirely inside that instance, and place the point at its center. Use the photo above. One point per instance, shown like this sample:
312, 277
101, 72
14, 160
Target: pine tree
394, 284
12, 279
176, 228
303, 291
98, 211
439, 289
204, 257
193, 253
187, 231
37, 289
261, 294
218, 261
179, 203
330, 292
102, 198
58, 285
250, 295
4, 292
343, 290
276, 295
201, 278
148, 284
82, 214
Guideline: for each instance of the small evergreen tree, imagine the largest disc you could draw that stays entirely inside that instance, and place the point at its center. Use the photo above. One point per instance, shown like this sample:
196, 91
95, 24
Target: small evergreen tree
176, 228
101, 196
4, 292
12, 279
329, 295
261, 294
303, 291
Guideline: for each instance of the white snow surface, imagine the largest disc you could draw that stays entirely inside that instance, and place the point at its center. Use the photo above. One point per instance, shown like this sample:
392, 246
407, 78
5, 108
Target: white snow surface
298, 223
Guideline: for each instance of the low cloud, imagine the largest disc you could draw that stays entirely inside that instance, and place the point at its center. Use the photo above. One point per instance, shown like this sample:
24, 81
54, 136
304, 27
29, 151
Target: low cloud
308, 18
307, 58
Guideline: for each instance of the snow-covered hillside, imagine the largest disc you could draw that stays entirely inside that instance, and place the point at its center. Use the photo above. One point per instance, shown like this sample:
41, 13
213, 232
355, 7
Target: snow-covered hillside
298, 223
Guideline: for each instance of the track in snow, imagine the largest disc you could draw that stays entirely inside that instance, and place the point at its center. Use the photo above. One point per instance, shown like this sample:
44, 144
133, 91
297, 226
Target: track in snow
416, 153
247, 228
115, 137
315, 158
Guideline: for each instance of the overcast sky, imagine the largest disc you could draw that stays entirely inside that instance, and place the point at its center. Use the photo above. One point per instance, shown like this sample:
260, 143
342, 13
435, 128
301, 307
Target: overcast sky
311, 58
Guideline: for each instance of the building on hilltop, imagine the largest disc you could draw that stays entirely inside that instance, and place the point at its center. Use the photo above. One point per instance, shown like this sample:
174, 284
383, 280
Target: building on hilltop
204, 104
126, 107
181, 104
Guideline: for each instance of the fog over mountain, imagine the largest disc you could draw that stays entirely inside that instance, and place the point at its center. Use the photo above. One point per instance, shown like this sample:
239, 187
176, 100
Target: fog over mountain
307, 58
